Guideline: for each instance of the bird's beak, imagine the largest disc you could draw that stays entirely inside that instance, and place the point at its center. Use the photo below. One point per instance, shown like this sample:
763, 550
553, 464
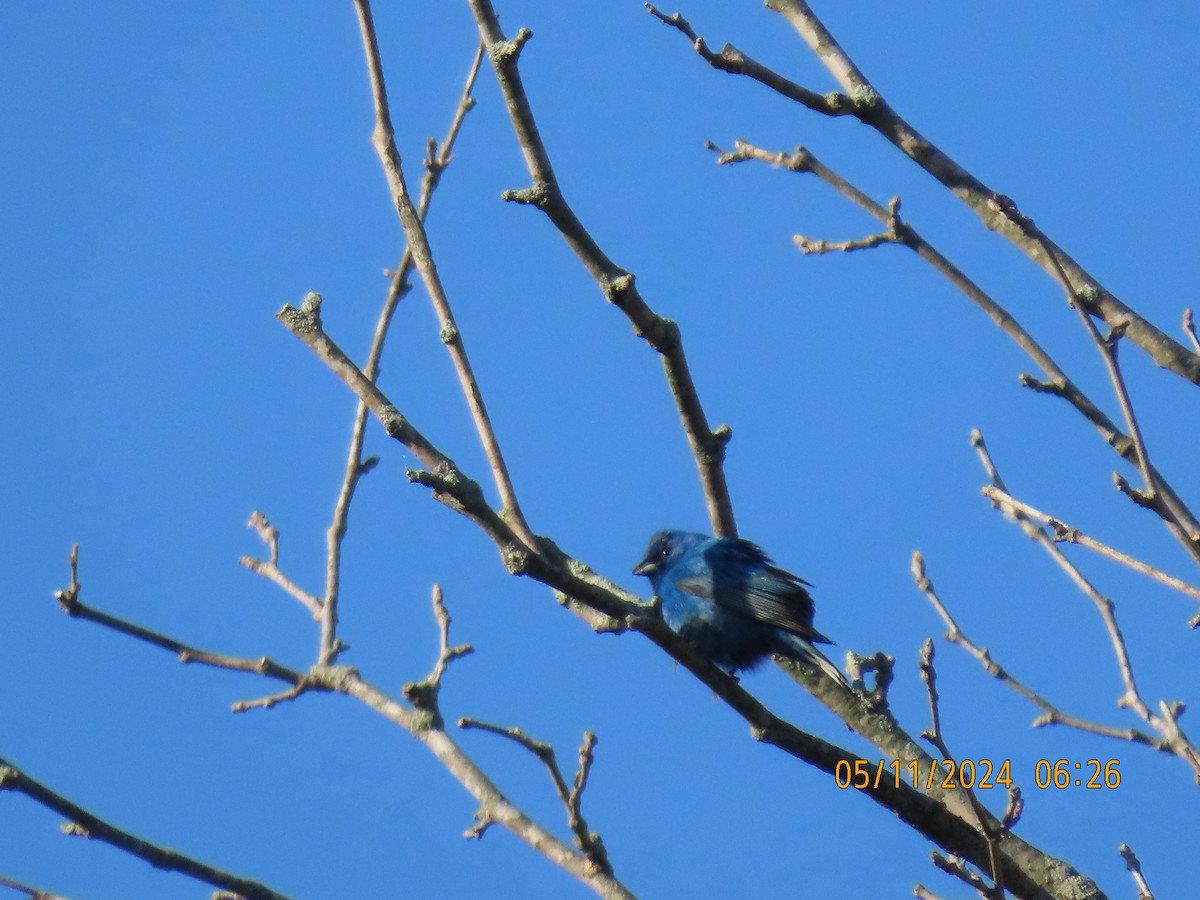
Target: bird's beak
645, 567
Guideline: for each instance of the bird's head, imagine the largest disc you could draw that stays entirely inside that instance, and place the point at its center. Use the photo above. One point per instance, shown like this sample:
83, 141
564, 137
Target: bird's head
664, 549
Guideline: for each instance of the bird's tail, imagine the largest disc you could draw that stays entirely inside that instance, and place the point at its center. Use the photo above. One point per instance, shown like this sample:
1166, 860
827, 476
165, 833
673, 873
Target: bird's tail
798, 648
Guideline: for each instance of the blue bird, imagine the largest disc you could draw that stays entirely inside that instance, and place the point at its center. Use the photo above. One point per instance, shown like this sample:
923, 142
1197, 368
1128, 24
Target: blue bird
727, 598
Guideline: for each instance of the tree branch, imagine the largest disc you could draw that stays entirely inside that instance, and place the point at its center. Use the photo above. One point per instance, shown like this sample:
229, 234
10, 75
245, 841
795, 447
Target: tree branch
85, 824
1165, 722
940, 815
422, 720
586, 840
1135, 869
1069, 534
983, 819
617, 284
1166, 503
864, 102
383, 139
435, 164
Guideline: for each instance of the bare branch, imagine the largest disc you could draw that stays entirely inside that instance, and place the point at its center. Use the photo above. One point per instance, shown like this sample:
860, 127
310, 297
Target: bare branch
1051, 714
424, 694
1165, 722
1189, 328
33, 893
423, 722
1013, 808
68, 600
1135, 869
864, 102
446, 653
1170, 508
435, 164
383, 138
982, 818
1069, 534
588, 841
938, 815
893, 235
957, 868
735, 62
270, 568
85, 824
1165, 502
617, 284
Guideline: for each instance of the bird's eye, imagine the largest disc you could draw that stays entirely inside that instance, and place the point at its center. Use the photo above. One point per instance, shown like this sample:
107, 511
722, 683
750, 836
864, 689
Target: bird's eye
663, 553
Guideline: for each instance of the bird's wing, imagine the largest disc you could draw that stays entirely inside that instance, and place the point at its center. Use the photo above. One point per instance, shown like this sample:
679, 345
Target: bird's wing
738, 576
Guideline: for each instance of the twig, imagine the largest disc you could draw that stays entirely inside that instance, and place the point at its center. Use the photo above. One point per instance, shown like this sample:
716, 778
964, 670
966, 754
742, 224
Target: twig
617, 284
446, 653
1135, 869
735, 62
956, 867
435, 164
1170, 508
893, 235
588, 841
1013, 808
1189, 328
424, 694
936, 737
383, 138
422, 723
1069, 534
1167, 503
864, 102
1166, 721
1051, 714
85, 824
1106, 345
68, 599
34, 893
270, 568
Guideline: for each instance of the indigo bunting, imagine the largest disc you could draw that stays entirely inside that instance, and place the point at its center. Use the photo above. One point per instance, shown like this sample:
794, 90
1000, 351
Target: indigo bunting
731, 602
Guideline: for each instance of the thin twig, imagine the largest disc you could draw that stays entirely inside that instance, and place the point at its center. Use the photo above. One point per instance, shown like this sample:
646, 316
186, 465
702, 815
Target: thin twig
1177, 516
85, 824
384, 141
68, 600
937, 738
957, 868
34, 893
424, 724
863, 101
269, 569
1107, 346
1069, 534
1051, 714
1165, 722
617, 284
1135, 870
1167, 503
446, 653
586, 840
435, 164
424, 694
893, 235
735, 62
1189, 327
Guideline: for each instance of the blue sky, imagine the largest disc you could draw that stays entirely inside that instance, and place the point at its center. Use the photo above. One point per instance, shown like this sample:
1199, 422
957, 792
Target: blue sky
174, 173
